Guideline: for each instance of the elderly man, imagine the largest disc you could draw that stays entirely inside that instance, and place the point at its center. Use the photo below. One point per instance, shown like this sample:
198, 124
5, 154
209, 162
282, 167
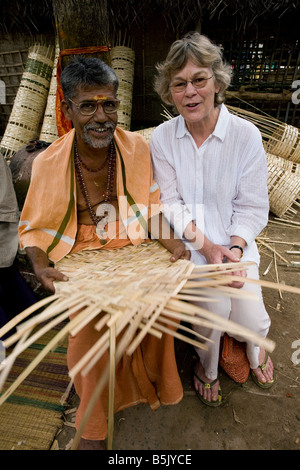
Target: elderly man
93, 188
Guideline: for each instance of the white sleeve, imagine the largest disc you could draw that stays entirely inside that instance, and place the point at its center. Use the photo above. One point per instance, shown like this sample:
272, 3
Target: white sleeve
251, 204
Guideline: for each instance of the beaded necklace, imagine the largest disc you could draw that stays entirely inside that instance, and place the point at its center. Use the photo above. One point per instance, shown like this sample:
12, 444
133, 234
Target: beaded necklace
110, 183
92, 170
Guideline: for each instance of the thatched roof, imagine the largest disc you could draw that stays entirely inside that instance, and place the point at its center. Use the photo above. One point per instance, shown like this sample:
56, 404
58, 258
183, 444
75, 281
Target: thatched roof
180, 13
32, 16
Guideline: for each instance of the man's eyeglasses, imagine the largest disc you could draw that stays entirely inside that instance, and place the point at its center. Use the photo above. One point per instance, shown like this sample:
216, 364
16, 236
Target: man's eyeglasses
88, 108
179, 86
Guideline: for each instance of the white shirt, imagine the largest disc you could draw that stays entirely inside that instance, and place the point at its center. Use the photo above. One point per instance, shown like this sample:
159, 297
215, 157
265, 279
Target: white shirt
221, 186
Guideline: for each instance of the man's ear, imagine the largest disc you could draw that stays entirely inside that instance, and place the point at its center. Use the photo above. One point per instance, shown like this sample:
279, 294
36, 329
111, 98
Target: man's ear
65, 107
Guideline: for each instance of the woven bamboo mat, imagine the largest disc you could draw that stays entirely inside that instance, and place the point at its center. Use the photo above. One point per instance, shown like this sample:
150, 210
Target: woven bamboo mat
31, 416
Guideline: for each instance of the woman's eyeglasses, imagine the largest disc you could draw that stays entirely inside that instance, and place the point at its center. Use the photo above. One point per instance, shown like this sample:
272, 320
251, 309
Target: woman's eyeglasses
179, 86
88, 108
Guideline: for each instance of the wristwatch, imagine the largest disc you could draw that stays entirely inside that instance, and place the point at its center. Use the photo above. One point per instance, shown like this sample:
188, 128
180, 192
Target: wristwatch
239, 247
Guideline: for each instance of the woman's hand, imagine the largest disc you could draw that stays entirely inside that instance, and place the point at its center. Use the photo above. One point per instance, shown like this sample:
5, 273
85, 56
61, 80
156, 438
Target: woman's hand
243, 273
217, 254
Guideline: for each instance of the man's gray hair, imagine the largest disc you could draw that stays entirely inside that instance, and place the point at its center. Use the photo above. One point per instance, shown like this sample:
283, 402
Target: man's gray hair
83, 72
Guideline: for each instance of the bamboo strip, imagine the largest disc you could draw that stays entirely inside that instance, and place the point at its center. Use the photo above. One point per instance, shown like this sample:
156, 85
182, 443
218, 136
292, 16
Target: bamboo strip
139, 338
227, 325
181, 337
184, 328
36, 361
276, 272
215, 267
43, 330
272, 285
100, 386
21, 316
8, 364
195, 298
222, 291
273, 250
111, 385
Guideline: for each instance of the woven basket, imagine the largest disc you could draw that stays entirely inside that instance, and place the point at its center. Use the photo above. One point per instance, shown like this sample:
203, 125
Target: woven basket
279, 138
122, 62
29, 105
283, 142
283, 188
49, 131
289, 165
295, 156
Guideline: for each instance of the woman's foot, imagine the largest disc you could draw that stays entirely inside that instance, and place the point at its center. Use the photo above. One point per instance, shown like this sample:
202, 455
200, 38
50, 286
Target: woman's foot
87, 444
208, 391
263, 375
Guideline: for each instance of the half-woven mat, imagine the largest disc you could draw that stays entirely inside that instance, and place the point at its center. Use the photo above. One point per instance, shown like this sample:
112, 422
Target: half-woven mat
32, 415
134, 291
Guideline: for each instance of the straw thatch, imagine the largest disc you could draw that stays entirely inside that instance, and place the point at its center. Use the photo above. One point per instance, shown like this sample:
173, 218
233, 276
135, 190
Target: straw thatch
30, 15
136, 291
180, 15
29, 105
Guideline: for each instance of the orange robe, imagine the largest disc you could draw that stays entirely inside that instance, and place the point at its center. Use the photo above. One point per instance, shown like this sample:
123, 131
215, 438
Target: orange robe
150, 375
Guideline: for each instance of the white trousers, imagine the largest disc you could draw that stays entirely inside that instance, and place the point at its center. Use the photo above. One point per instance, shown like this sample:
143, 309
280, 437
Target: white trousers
248, 313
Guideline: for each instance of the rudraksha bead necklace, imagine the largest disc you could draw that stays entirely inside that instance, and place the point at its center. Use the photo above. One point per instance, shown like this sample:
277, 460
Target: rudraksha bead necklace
110, 181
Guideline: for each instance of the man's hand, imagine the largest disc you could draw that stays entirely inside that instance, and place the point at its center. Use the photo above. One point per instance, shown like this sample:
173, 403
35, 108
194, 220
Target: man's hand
47, 276
180, 253
43, 272
158, 229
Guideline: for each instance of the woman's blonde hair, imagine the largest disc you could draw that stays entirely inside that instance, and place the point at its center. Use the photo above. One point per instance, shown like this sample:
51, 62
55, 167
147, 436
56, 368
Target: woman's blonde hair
201, 51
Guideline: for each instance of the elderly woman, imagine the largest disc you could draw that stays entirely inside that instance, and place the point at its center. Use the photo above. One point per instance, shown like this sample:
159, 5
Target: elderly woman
212, 172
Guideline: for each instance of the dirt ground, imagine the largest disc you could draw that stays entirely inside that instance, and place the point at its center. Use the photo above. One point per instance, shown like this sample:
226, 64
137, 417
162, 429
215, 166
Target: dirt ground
249, 418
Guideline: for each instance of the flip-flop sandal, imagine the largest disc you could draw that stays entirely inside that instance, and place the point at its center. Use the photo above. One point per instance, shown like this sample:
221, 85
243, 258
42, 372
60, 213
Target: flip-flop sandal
209, 385
262, 367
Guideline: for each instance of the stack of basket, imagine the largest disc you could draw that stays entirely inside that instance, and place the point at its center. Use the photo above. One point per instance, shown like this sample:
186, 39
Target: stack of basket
49, 131
282, 145
29, 105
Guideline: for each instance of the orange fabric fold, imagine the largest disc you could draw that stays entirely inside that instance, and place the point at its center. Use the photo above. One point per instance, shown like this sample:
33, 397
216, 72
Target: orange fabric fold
49, 216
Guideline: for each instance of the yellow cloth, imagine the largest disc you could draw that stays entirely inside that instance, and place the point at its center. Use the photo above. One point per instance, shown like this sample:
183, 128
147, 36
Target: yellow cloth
49, 216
